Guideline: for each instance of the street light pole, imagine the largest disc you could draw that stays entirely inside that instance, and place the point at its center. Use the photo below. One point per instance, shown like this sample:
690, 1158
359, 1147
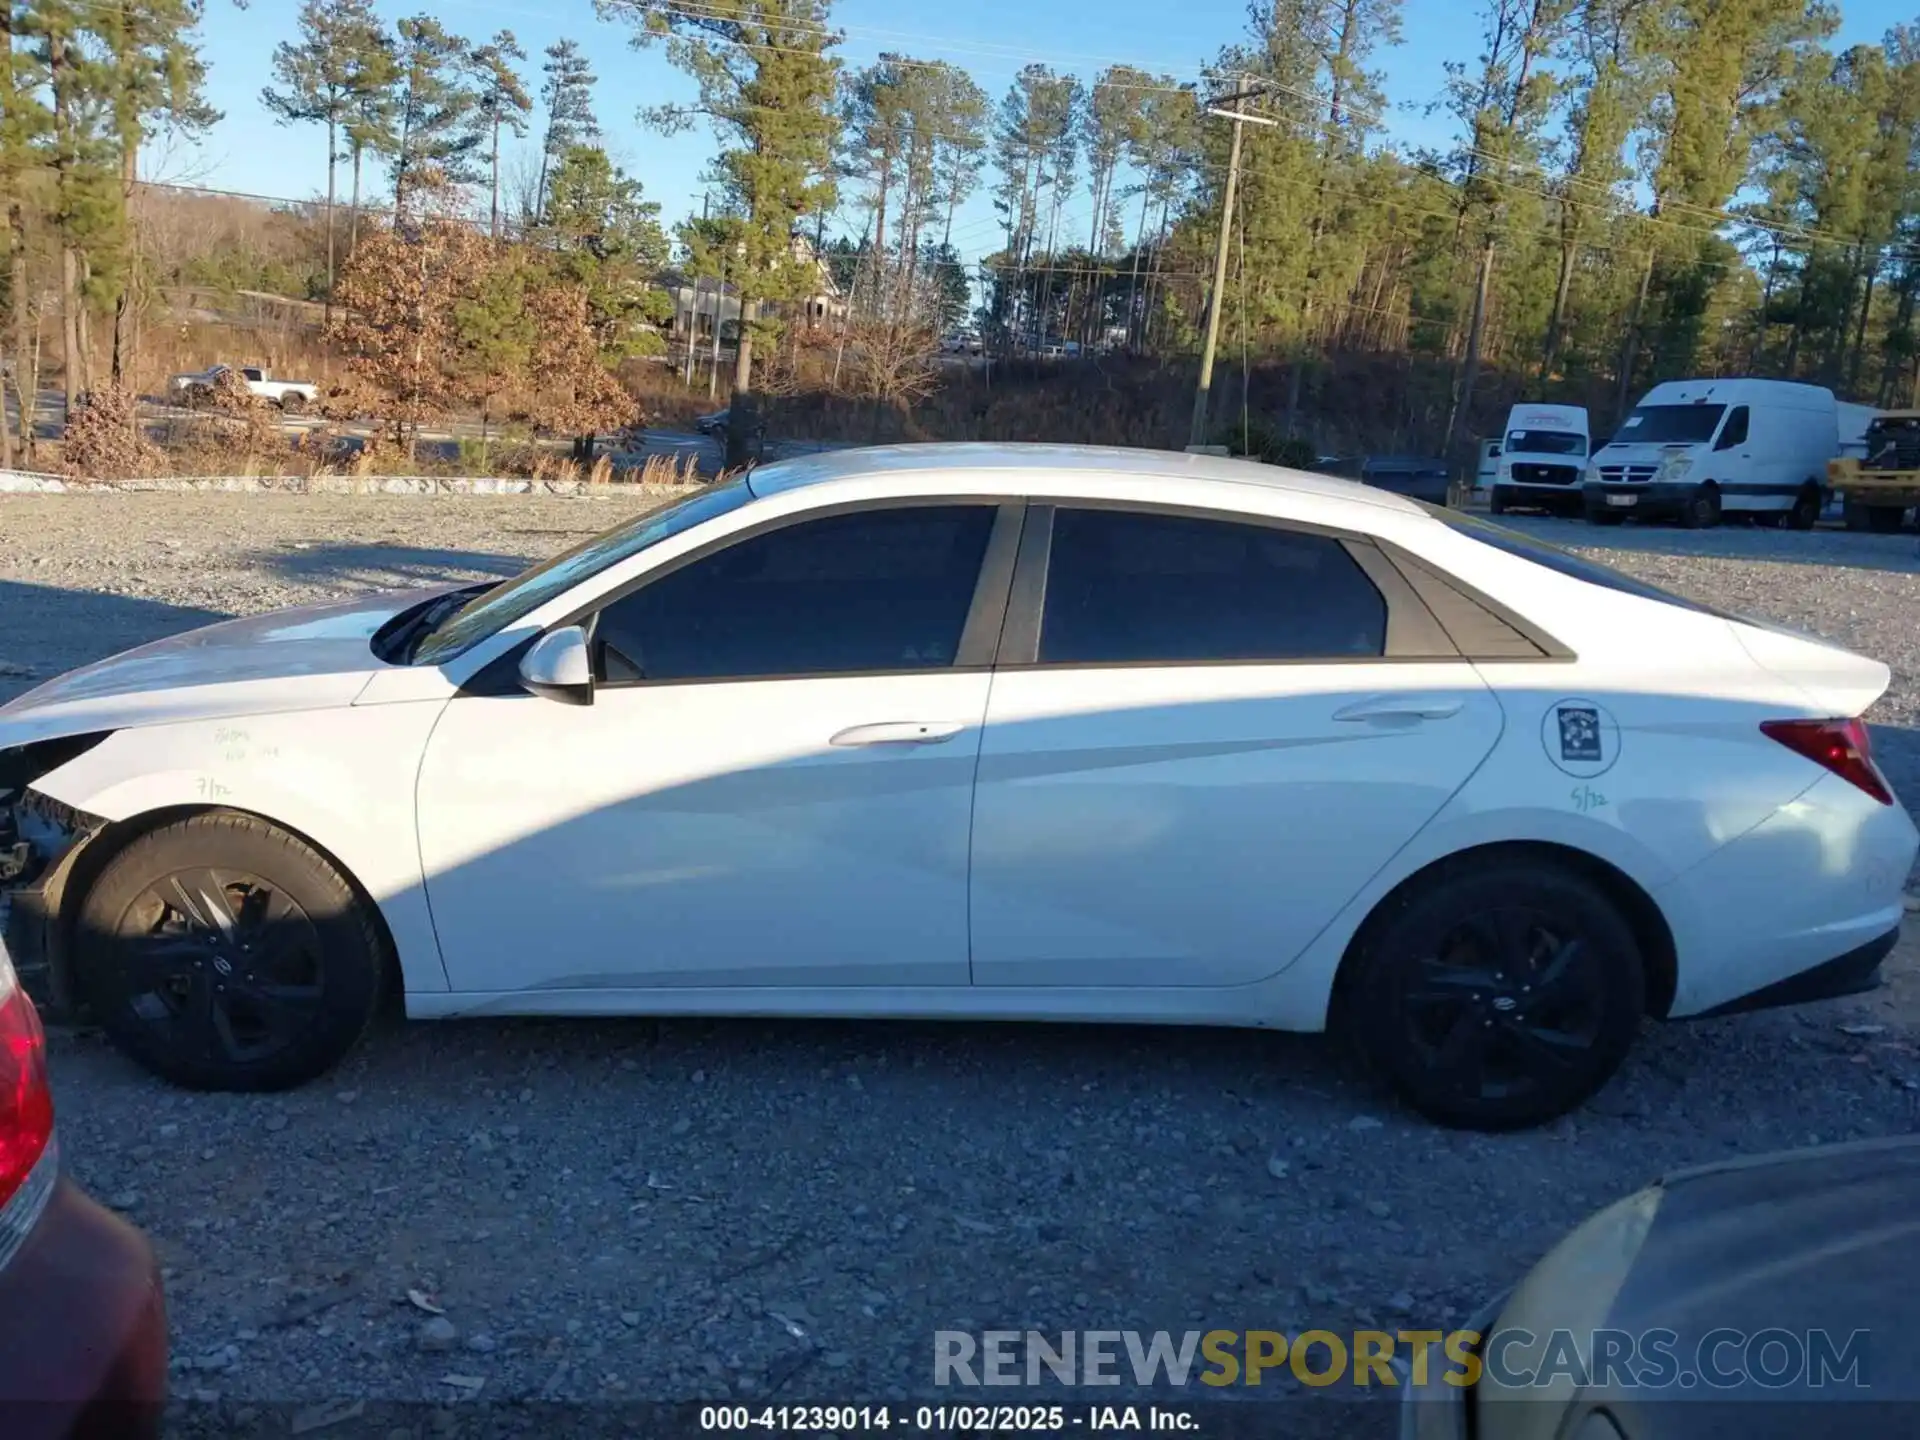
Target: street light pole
1197, 431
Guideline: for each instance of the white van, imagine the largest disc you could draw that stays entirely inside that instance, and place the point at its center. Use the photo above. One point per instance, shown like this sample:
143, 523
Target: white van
1695, 449
1542, 459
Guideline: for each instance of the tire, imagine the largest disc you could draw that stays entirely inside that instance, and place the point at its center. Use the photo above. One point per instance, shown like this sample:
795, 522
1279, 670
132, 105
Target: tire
292, 404
1885, 519
1702, 509
1406, 998
224, 954
1854, 515
1497, 502
1807, 505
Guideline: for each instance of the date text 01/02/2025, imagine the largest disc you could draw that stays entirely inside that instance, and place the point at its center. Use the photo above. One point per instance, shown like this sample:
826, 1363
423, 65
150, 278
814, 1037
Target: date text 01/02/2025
948, 1419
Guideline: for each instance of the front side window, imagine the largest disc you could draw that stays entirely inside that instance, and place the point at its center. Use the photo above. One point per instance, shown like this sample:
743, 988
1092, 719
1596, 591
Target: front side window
1734, 432
1130, 586
492, 611
870, 590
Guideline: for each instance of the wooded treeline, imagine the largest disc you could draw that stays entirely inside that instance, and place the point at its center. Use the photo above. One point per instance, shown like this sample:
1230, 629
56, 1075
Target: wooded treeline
1636, 189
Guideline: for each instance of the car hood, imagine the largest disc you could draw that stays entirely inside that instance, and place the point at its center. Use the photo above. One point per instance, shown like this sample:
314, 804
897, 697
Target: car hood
309, 658
1640, 452
1814, 1245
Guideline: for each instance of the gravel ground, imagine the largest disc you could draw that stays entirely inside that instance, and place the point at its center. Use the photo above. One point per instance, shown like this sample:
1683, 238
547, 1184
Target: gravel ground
686, 1209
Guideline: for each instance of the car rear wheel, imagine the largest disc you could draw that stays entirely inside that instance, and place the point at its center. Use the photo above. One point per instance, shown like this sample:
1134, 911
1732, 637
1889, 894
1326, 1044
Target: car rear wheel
292, 404
1496, 994
224, 954
1807, 505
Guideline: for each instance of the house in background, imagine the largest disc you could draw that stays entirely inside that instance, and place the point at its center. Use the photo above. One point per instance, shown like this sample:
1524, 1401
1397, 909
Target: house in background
699, 304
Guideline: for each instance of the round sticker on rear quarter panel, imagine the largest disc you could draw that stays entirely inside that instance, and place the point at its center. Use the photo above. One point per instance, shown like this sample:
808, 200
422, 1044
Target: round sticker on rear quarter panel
1580, 737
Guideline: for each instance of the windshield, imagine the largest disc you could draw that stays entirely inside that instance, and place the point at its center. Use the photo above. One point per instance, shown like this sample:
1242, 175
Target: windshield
1546, 442
491, 612
1669, 425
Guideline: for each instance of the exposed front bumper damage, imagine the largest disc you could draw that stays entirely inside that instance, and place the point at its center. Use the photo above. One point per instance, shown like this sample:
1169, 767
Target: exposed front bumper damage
39, 840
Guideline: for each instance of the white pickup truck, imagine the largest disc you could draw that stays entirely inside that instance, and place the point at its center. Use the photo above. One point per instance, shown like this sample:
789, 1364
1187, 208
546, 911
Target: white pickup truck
198, 386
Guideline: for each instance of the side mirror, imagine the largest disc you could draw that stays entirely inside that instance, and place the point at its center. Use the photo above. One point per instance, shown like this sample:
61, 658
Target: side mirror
558, 667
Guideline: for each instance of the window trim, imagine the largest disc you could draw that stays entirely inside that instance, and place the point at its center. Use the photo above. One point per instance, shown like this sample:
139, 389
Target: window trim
979, 634
1425, 640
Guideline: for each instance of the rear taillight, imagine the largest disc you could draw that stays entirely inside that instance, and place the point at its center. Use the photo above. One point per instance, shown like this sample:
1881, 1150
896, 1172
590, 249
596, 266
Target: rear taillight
26, 1111
1841, 746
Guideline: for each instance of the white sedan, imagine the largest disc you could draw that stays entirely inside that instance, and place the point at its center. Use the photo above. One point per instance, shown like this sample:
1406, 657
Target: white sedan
973, 732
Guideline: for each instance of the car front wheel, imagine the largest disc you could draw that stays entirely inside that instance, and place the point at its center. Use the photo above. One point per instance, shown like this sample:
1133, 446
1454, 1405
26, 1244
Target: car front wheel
224, 954
1495, 994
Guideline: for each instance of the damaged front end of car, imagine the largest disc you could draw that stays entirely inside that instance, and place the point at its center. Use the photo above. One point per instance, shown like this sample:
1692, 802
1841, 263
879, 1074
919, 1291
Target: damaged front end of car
40, 838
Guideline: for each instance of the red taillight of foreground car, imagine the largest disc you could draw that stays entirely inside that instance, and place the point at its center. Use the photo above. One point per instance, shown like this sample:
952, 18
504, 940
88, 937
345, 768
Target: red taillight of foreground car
26, 1101
1841, 746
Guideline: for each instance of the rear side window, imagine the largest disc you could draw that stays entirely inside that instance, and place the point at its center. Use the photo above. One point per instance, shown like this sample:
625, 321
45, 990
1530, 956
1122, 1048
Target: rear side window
1734, 432
1564, 562
1132, 586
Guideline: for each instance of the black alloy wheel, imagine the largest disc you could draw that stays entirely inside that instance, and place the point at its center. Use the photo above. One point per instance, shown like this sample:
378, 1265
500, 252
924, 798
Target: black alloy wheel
225, 954
222, 963
1496, 993
1508, 1003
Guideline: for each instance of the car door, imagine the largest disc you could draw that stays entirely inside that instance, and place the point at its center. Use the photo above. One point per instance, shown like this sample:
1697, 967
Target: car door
1207, 733
772, 785
1732, 462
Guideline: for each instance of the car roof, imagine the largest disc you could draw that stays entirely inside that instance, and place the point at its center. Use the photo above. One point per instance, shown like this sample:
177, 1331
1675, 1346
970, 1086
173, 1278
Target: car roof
972, 463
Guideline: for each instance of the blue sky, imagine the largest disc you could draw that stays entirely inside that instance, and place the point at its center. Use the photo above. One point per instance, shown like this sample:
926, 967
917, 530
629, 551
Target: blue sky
991, 38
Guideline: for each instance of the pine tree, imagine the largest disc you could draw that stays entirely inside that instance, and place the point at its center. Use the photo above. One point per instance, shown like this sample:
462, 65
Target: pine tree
24, 122
156, 79
603, 237
501, 103
1503, 109
321, 77
566, 96
1033, 133
767, 82
370, 126
82, 151
436, 134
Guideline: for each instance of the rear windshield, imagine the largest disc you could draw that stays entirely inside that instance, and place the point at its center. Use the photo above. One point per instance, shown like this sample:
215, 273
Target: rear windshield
1669, 425
1546, 442
1565, 562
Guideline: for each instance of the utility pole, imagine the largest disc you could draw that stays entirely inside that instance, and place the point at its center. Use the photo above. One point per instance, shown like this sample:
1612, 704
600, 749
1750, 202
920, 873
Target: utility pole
719, 310
1197, 431
699, 289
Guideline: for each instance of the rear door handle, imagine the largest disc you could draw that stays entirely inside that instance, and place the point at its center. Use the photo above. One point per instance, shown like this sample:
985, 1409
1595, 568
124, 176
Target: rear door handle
1400, 707
900, 732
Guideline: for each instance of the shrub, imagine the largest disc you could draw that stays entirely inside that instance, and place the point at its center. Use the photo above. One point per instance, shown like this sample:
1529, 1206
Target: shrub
1267, 445
104, 439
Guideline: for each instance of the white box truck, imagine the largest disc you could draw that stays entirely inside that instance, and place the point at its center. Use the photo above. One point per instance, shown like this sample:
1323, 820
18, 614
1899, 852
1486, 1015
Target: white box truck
1543, 460
1693, 450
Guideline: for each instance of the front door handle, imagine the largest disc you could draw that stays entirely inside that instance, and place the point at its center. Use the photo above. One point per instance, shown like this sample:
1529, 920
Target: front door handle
1400, 708
900, 732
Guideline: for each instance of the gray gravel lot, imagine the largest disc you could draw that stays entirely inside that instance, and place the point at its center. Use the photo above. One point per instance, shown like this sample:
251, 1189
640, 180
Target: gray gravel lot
688, 1209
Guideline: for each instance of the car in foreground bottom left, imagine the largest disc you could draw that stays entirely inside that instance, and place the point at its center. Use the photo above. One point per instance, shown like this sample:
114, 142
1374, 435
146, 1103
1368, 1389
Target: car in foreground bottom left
83, 1327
